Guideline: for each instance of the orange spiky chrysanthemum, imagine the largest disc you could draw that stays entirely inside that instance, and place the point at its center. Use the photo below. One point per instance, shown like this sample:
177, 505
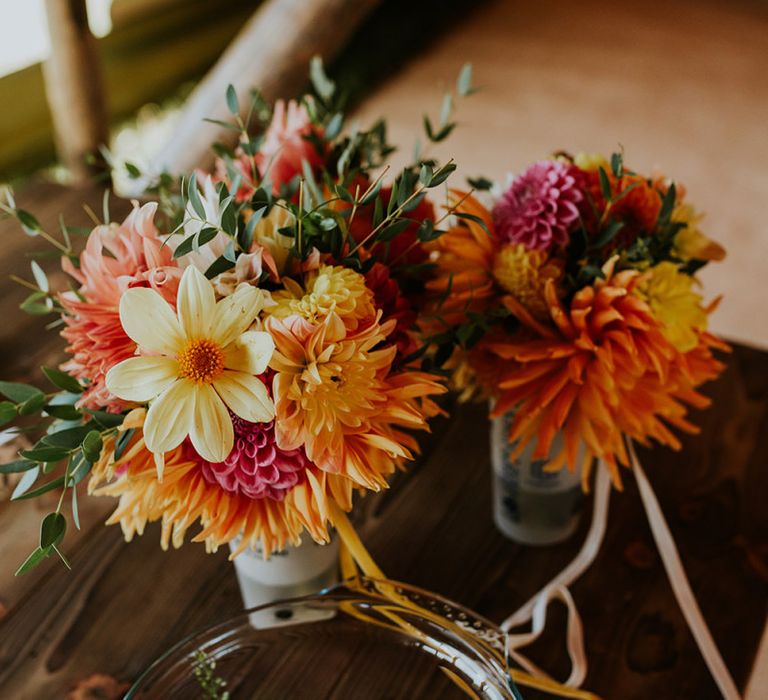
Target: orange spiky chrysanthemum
466, 254
603, 370
185, 496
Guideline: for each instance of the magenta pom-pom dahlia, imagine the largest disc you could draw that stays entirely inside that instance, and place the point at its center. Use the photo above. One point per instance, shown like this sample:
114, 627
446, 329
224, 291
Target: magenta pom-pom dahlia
540, 207
257, 467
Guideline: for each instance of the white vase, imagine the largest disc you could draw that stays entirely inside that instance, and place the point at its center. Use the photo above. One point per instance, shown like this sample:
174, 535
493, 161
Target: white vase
530, 505
290, 573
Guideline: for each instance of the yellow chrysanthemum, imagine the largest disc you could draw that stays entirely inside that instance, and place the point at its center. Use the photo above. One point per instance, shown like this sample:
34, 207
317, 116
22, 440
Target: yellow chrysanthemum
590, 162
670, 295
690, 242
524, 274
199, 361
278, 246
328, 290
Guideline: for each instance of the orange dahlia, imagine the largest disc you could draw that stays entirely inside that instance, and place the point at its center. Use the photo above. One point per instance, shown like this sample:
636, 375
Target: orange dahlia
335, 396
637, 203
116, 257
187, 494
465, 256
602, 370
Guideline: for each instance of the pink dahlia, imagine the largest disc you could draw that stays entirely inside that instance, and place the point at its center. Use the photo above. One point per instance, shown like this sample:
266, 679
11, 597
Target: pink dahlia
257, 467
287, 145
115, 258
540, 207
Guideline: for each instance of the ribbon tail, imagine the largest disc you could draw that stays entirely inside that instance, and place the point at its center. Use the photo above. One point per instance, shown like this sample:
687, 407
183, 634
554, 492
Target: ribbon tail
680, 585
352, 542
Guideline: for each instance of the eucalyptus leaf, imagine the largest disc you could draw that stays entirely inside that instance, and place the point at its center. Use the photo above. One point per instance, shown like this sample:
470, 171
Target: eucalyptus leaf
464, 81
221, 264
63, 380
605, 184
18, 392
28, 222
40, 490
45, 454
16, 467
32, 405
442, 174
193, 195
322, 84
63, 412
105, 419
232, 102
32, 561
78, 468
92, 444
333, 129
26, 482
390, 231
52, 530
75, 509
40, 277
7, 412
69, 438
425, 175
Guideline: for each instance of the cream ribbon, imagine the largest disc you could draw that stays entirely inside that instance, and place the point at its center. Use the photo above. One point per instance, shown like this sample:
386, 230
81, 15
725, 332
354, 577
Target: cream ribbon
535, 610
682, 589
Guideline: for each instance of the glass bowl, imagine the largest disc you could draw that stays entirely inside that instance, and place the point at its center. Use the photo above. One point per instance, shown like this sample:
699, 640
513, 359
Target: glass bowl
363, 638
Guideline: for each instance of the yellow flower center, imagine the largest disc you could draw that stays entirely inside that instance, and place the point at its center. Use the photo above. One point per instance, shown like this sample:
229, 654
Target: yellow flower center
201, 361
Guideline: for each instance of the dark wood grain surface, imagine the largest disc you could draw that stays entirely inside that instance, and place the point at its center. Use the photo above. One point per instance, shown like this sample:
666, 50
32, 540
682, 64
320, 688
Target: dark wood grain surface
124, 604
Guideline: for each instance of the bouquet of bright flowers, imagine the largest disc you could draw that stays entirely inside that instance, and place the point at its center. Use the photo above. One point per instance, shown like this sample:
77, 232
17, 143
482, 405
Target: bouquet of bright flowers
573, 302
242, 349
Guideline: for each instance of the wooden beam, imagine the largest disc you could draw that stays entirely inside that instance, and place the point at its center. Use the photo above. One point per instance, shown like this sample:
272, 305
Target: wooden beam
272, 53
73, 85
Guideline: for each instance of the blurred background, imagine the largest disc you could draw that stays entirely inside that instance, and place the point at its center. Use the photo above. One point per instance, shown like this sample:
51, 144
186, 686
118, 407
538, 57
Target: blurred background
681, 86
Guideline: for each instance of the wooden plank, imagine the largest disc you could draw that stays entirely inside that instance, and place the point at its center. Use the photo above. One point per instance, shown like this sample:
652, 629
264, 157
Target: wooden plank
145, 59
73, 84
433, 528
271, 53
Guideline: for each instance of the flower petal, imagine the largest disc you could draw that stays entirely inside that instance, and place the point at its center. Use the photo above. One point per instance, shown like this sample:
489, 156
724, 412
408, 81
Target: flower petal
246, 396
250, 353
196, 303
211, 430
142, 378
169, 417
235, 313
149, 321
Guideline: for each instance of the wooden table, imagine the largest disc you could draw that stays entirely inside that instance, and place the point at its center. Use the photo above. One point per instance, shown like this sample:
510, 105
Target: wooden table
124, 604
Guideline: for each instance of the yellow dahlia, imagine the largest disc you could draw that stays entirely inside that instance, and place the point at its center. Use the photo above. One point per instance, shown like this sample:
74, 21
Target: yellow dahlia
670, 295
327, 290
197, 363
277, 245
690, 242
523, 273
591, 162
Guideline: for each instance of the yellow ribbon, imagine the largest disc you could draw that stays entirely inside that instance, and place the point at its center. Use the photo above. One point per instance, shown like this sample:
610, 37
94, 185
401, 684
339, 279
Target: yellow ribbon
354, 558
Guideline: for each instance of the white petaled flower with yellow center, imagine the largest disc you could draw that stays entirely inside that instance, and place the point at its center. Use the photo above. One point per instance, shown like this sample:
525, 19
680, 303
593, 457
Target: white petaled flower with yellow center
196, 363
